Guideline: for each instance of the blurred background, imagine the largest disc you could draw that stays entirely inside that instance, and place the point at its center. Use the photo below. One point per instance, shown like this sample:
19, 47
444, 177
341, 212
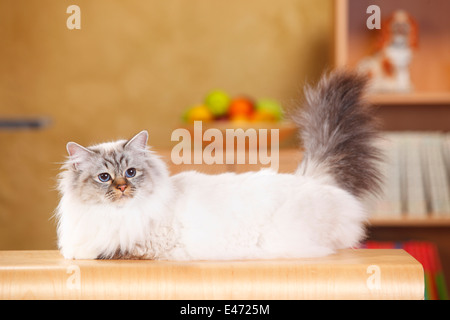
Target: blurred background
141, 64
133, 65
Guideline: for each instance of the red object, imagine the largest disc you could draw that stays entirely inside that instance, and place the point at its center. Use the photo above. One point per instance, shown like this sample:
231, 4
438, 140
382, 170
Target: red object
241, 107
427, 254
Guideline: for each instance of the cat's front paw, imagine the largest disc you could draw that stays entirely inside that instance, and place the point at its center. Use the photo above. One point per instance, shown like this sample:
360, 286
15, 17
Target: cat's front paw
78, 254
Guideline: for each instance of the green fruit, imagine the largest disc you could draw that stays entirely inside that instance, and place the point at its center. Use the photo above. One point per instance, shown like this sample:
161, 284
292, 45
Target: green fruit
270, 106
217, 102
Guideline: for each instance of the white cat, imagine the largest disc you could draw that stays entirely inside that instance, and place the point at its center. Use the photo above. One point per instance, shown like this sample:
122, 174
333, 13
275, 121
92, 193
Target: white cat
118, 200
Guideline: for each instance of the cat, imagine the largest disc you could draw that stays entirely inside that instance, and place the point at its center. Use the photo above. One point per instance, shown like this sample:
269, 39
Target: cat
118, 200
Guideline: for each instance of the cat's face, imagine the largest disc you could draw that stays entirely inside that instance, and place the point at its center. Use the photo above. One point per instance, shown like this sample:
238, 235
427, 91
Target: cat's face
114, 172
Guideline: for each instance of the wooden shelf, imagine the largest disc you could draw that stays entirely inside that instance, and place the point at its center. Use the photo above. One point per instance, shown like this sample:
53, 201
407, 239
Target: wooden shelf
406, 221
428, 107
430, 63
414, 98
348, 274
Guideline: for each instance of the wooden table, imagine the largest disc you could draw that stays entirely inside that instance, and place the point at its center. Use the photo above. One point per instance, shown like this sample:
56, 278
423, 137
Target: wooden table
349, 274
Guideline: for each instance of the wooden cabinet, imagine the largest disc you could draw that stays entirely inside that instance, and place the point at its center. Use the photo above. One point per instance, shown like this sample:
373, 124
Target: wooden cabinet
425, 108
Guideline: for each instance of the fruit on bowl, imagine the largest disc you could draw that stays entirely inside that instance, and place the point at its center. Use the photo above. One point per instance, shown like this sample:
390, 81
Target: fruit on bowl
219, 105
241, 108
269, 107
217, 101
223, 112
198, 113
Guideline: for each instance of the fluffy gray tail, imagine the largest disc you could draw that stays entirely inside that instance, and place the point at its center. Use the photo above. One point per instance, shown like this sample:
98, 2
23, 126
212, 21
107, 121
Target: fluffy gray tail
338, 133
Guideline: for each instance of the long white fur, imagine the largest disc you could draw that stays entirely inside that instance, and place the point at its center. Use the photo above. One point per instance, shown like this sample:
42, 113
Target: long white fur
193, 216
255, 215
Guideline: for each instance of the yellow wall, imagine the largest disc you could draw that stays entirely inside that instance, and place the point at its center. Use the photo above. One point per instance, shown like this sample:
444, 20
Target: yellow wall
134, 65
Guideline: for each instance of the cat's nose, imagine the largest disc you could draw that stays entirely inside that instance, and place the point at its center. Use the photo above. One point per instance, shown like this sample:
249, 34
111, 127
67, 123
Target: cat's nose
121, 187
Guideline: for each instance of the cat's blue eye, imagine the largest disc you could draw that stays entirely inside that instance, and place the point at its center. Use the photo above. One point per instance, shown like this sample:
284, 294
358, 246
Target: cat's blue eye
104, 177
130, 173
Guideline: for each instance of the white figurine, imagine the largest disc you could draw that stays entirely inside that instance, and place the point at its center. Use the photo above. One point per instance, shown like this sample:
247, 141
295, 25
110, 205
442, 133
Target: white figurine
388, 68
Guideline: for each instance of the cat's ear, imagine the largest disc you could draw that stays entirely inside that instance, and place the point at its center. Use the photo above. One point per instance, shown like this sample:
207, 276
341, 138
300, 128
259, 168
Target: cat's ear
77, 153
139, 141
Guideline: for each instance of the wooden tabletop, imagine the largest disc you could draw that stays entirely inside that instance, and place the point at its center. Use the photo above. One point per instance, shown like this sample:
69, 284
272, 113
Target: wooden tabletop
349, 274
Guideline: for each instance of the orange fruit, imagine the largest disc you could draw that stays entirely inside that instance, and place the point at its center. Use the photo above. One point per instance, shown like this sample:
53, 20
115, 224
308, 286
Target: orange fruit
240, 108
198, 113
